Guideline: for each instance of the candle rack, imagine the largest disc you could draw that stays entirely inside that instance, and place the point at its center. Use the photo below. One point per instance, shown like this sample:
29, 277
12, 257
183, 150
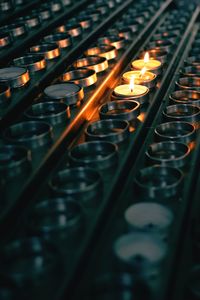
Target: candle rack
73, 168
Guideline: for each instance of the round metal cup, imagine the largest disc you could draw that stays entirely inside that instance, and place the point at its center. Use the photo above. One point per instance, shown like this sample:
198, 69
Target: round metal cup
123, 110
6, 6
57, 218
5, 40
150, 83
158, 182
32, 134
157, 53
49, 50
81, 183
183, 112
126, 33
33, 62
193, 71
132, 252
14, 76
170, 36
96, 63
44, 14
32, 21
116, 41
73, 30
149, 217
14, 160
55, 6
188, 83
85, 23
31, 262
16, 30
142, 99
95, 15
168, 153
114, 131
107, 51
176, 131
4, 94
164, 44
194, 281
69, 93
193, 60
133, 25
186, 96
98, 155
84, 77
62, 39
55, 113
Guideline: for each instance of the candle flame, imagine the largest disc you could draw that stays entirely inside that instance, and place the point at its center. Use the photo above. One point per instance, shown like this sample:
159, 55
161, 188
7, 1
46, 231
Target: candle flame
132, 83
143, 71
146, 58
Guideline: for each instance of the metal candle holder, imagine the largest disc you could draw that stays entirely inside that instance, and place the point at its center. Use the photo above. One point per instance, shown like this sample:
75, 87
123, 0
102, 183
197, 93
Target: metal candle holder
81, 76
188, 83
107, 51
49, 50
32, 62
96, 63
62, 39
186, 96
14, 76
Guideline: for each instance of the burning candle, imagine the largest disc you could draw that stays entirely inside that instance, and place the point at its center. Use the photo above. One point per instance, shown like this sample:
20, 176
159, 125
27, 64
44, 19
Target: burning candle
149, 63
142, 77
132, 91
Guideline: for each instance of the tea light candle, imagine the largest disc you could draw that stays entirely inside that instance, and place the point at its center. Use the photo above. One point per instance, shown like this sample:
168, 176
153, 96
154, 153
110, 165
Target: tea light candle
132, 91
142, 77
149, 63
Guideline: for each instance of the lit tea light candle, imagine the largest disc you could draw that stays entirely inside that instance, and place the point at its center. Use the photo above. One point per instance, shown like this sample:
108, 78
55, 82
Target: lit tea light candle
142, 77
131, 91
149, 63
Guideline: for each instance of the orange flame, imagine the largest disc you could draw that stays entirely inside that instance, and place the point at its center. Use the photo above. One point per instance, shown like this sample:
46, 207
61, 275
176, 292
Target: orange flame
132, 83
143, 71
146, 58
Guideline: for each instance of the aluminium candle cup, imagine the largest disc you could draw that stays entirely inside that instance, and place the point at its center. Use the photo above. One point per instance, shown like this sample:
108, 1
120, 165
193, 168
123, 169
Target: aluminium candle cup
116, 41
16, 29
149, 217
81, 183
126, 33
6, 6
188, 83
57, 219
74, 30
94, 14
193, 71
176, 131
142, 98
33, 62
99, 155
194, 282
82, 76
159, 182
44, 14
5, 40
85, 22
13, 76
117, 286
96, 63
183, 112
185, 97
69, 93
62, 39
133, 25
193, 60
149, 79
55, 6
14, 161
32, 134
32, 21
5, 94
140, 253
31, 263
168, 153
114, 131
124, 110
157, 53
170, 36
54, 113
107, 51
164, 44
48, 50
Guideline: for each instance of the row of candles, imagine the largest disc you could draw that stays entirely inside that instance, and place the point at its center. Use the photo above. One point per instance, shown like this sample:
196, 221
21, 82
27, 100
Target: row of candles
138, 80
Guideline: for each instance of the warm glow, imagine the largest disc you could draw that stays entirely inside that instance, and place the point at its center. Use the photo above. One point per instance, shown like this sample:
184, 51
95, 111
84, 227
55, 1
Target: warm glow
143, 71
146, 58
132, 83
